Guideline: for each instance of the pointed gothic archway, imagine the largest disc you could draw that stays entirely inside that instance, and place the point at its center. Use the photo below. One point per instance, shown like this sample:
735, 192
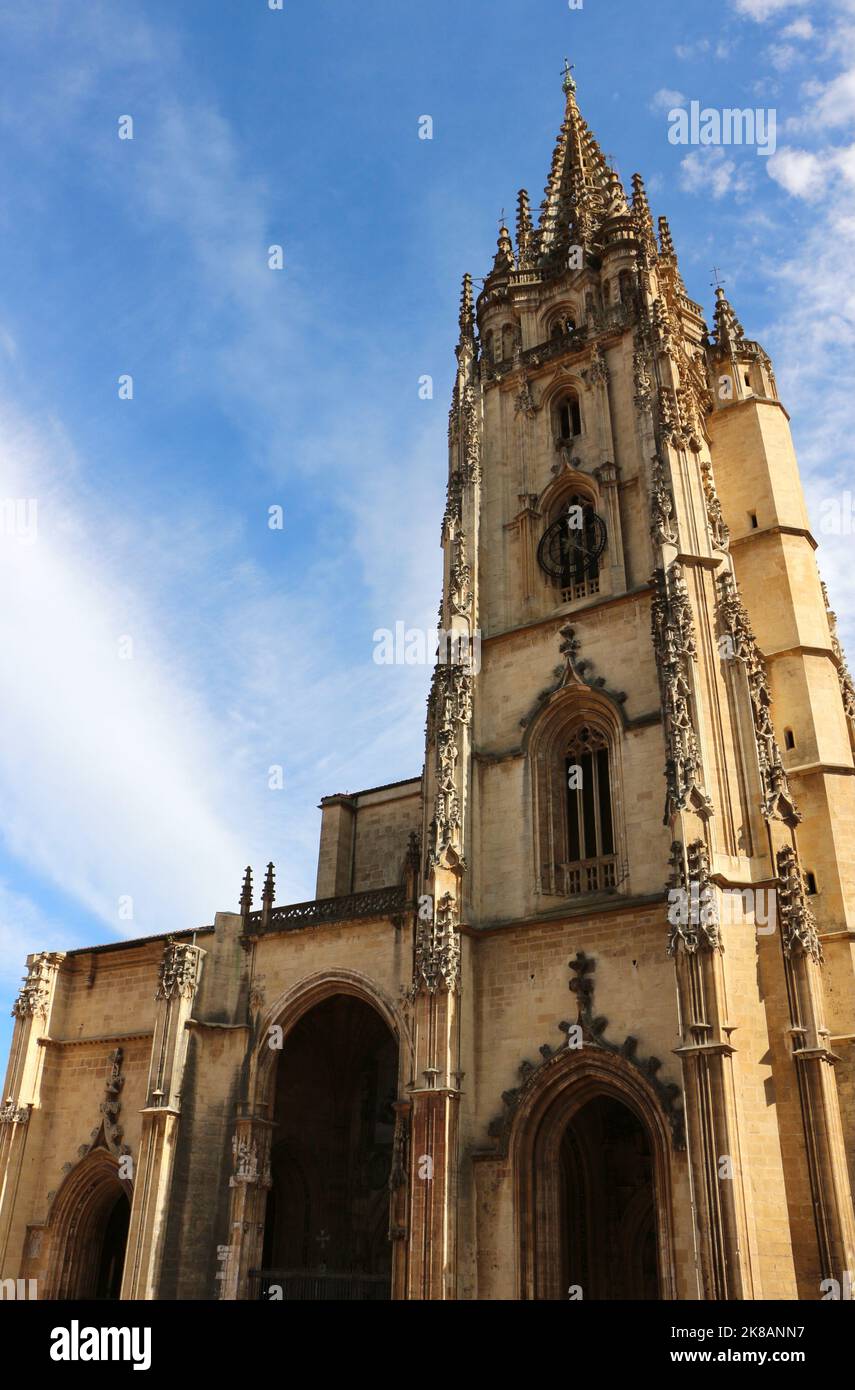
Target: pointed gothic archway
326, 1230
88, 1231
591, 1159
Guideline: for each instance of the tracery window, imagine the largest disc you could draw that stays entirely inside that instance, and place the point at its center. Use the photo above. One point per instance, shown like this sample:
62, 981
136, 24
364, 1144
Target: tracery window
590, 866
569, 417
578, 815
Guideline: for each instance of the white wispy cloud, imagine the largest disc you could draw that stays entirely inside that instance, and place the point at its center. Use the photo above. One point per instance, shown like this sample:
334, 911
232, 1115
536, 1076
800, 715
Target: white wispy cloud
711, 171
666, 99
761, 10
801, 28
801, 172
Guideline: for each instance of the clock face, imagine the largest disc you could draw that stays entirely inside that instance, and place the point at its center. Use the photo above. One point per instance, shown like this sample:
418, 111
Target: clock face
570, 550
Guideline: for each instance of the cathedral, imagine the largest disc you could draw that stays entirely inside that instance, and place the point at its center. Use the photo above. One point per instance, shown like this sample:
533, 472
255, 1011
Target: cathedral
572, 1014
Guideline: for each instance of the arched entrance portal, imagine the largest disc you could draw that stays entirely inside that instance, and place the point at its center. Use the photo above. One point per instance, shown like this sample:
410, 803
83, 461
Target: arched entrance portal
327, 1219
89, 1231
608, 1246
591, 1155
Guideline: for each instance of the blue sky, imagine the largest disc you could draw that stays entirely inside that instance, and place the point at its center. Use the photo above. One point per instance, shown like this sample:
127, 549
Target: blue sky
146, 779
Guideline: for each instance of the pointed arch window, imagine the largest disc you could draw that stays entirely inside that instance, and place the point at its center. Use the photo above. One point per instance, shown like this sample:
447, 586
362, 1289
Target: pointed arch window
569, 417
590, 865
580, 838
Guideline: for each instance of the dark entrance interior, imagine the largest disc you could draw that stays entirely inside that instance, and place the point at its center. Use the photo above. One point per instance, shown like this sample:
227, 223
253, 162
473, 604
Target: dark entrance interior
108, 1281
327, 1220
608, 1207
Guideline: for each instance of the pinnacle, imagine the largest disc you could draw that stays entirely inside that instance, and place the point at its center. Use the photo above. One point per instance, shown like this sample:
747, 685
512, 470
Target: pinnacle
666, 243
729, 334
467, 313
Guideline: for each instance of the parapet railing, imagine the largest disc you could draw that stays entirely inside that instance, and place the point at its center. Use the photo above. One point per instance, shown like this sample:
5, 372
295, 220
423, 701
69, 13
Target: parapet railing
377, 902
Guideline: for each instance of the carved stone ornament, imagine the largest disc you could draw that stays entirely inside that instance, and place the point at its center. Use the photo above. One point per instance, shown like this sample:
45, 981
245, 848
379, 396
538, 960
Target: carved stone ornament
179, 970
108, 1133
642, 383
715, 516
33, 996
245, 1158
400, 1144
598, 372
471, 438
662, 528
12, 1114
524, 404
573, 672
460, 582
692, 907
437, 953
798, 925
675, 647
778, 803
847, 688
449, 707
592, 1032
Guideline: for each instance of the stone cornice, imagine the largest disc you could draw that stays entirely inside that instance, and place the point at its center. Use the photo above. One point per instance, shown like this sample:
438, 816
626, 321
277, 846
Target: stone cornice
775, 531
139, 1035
589, 908
568, 614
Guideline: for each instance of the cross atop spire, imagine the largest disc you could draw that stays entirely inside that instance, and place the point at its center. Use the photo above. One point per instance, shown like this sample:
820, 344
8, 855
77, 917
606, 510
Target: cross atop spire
581, 189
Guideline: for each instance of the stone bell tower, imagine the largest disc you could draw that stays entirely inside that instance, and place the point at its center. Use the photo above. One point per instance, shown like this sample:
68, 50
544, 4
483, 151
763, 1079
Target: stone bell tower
650, 760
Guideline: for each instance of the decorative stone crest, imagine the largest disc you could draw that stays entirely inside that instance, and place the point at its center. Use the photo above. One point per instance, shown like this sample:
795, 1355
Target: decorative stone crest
179, 970
437, 955
573, 672
108, 1133
675, 646
593, 1035
798, 925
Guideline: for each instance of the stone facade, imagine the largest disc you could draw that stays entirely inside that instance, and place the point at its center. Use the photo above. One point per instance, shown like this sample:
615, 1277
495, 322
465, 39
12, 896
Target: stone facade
638, 985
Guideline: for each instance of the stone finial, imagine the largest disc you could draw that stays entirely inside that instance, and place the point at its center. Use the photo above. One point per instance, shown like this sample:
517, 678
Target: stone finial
728, 333
246, 893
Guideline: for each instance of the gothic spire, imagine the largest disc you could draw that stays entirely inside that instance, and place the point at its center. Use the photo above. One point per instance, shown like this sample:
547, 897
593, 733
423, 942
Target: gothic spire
581, 189
728, 333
